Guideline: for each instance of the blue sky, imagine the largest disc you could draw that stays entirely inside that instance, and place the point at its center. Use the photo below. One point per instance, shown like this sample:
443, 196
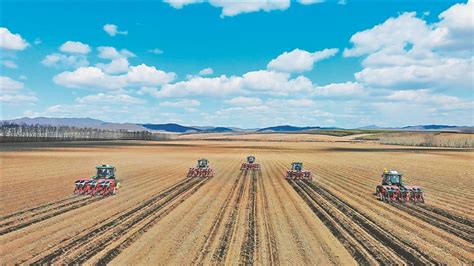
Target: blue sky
245, 64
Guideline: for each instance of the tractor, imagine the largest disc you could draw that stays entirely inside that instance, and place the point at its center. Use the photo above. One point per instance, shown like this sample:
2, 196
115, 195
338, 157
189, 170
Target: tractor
250, 164
202, 169
393, 189
103, 183
297, 172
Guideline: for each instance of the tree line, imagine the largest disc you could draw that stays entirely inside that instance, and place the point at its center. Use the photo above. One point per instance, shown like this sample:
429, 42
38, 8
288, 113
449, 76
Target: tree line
11, 132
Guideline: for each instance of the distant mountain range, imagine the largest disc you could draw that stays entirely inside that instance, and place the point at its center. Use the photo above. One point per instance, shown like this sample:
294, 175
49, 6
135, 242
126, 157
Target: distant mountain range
177, 128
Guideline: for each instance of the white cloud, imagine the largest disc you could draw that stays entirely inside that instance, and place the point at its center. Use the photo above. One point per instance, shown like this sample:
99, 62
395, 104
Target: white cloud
155, 51
181, 103
17, 98
119, 65
12, 41
244, 101
89, 77
408, 53
217, 86
143, 75
233, 8
206, 71
275, 82
38, 41
119, 59
65, 61
108, 52
102, 98
9, 64
93, 77
8, 84
310, 2
112, 30
178, 4
340, 89
75, 47
11, 92
299, 60
428, 97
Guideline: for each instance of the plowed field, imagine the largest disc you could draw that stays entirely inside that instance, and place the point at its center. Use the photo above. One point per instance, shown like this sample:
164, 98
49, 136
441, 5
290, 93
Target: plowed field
161, 216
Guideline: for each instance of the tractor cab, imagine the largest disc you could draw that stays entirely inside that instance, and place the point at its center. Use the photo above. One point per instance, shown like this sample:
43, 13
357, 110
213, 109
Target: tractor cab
392, 178
203, 163
105, 172
296, 166
250, 159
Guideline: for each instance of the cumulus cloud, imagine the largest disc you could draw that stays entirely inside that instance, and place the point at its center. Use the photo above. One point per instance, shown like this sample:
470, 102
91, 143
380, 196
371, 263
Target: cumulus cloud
12, 41
11, 92
340, 89
262, 81
8, 84
408, 53
206, 71
428, 97
102, 98
65, 61
108, 52
244, 101
93, 77
118, 59
181, 103
299, 60
233, 8
112, 30
75, 47
119, 65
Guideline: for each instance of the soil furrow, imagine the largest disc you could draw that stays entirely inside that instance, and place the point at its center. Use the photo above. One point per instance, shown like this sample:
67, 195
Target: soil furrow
449, 215
111, 254
269, 230
408, 252
47, 215
44, 206
103, 226
249, 245
450, 227
211, 236
221, 252
361, 248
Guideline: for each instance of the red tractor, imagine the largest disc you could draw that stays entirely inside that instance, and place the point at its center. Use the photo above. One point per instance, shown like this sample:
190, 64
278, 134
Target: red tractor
201, 170
103, 183
393, 189
250, 164
297, 172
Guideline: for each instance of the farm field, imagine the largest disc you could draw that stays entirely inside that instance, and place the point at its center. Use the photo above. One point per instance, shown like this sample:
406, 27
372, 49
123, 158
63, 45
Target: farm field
159, 215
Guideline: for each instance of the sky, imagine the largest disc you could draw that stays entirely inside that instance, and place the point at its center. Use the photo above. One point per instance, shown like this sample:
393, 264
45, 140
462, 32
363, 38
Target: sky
243, 64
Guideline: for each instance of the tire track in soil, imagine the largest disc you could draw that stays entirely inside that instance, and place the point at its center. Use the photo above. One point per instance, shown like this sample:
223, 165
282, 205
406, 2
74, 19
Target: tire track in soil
249, 246
450, 223
111, 254
449, 226
269, 230
52, 211
449, 215
15, 221
404, 250
152, 214
225, 241
37, 208
355, 244
211, 236
102, 227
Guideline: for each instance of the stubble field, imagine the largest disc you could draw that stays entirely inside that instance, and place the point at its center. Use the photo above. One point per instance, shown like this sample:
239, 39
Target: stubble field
159, 215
